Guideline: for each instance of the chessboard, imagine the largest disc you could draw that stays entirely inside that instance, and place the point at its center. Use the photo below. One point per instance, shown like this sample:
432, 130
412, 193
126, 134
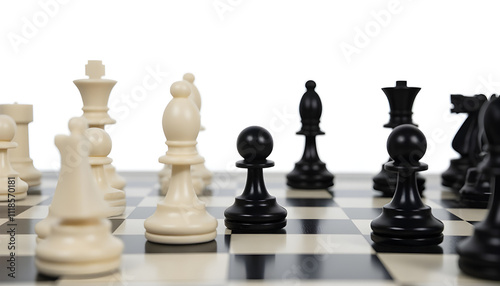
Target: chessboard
326, 240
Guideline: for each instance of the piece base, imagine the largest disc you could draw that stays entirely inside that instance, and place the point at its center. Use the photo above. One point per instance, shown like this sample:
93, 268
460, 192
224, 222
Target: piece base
51, 268
407, 241
309, 184
477, 201
254, 227
180, 239
116, 211
309, 176
255, 215
478, 268
27, 172
475, 196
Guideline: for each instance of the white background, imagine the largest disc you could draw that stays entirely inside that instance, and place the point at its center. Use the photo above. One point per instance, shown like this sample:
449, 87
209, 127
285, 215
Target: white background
251, 60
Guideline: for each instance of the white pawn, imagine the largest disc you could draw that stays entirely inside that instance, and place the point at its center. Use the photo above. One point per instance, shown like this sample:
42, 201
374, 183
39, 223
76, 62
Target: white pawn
100, 147
80, 240
12, 188
181, 218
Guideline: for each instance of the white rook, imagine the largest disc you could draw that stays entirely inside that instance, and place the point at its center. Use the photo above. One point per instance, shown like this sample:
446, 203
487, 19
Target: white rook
20, 156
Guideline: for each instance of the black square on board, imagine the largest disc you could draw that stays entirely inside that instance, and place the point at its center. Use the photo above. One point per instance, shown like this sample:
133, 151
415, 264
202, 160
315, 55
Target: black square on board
307, 267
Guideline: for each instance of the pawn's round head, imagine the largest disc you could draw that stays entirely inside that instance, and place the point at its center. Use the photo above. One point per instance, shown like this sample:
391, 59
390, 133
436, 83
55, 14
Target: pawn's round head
406, 145
180, 89
100, 142
7, 128
78, 125
310, 85
188, 77
254, 144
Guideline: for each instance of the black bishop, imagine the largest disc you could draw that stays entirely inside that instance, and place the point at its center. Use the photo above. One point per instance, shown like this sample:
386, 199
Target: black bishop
310, 172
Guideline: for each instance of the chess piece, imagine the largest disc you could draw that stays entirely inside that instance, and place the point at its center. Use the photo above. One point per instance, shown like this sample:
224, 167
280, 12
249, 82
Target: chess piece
100, 146
401, 98
255, 209
198, 184
476, 190
12, 188
202, 177
479, 254
406, 220
164, 178
20, 156
181, 218
80, 240
197, 170
95, 93
466, 141
310, 172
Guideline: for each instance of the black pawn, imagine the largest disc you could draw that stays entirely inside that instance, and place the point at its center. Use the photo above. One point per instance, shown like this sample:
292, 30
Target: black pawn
401, 98
255, 210
466, 142
310, 172
406, 220
480, 253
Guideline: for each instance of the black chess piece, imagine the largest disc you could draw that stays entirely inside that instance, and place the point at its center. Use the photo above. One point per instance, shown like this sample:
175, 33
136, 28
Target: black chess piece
466, 141
476, 190
406, 220
479, 254
255, 209
310, 172
401, 98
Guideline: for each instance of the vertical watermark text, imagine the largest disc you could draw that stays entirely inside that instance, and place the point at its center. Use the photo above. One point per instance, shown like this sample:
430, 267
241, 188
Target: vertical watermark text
12, 225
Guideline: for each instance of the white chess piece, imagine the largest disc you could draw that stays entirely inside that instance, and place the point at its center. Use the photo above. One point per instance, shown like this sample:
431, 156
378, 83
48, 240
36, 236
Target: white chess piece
198, 184
80, 240
20, 156
12, 188
197, 170
95, 92
181, 218
99, 150
202, 177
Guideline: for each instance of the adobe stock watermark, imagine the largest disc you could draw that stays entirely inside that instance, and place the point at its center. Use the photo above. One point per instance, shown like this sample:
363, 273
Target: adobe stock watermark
364, 35
30, 26
121, 106
309, 265
437, 136
223, 7
12, 228
283, 118
487, 85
